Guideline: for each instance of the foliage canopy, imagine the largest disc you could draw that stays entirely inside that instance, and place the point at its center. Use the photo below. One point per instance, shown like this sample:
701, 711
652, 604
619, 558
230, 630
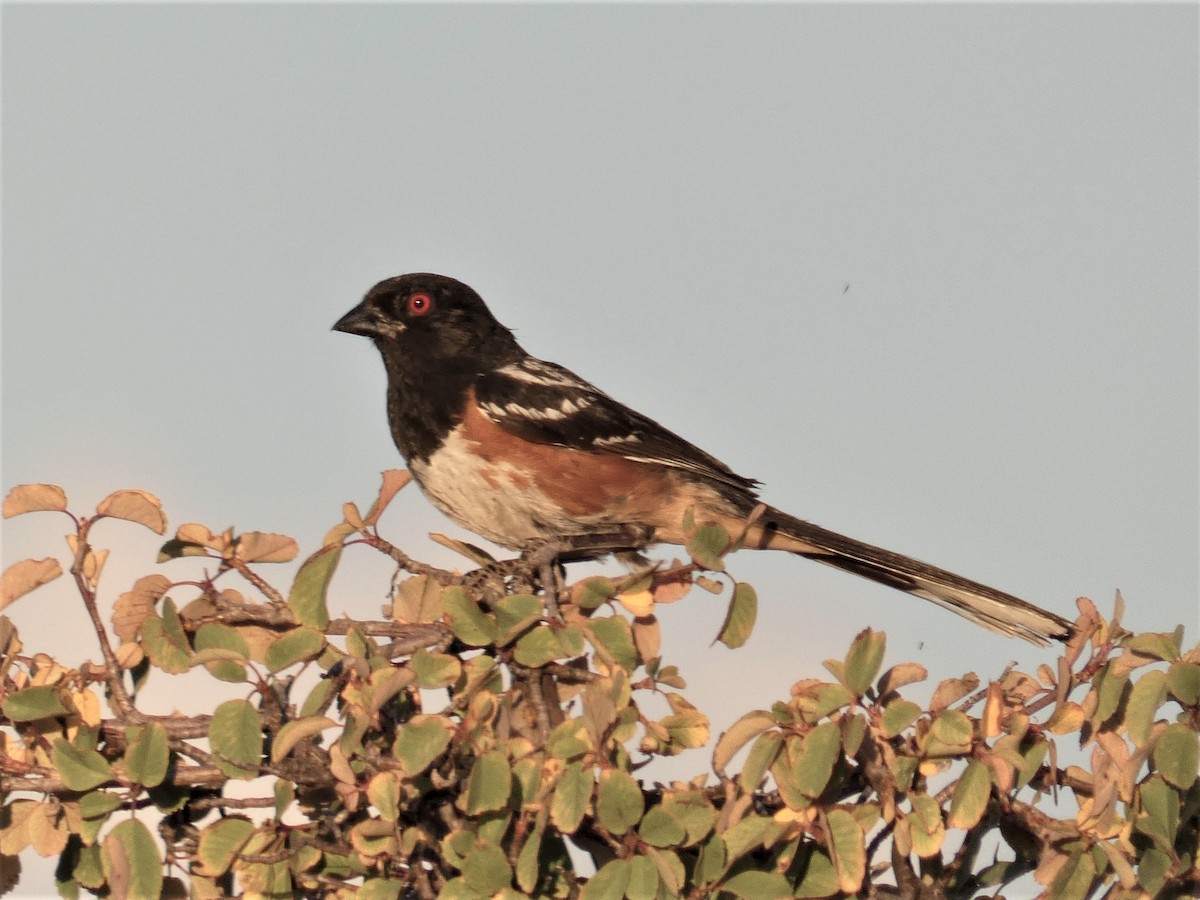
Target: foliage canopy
462, 745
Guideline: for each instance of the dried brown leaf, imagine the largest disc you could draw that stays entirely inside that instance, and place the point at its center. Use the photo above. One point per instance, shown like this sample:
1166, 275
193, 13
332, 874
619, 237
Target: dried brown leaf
132, 607
135, 506
34, 498
22, 577
266, 547
647, 637
393, 481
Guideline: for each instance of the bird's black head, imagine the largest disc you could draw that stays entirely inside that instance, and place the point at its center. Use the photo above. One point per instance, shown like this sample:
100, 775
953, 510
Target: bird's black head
429, 316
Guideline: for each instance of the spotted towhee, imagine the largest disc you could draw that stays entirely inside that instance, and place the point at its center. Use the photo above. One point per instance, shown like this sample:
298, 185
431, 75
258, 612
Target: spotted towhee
524, 452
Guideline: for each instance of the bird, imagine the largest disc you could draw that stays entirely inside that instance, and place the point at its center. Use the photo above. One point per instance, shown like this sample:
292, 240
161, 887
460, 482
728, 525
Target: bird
524, 452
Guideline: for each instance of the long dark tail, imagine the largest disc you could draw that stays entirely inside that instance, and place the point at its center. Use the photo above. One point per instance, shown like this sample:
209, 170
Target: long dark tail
993, 609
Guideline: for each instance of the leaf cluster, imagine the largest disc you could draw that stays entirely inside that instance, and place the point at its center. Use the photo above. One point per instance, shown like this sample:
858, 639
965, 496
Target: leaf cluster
489, 722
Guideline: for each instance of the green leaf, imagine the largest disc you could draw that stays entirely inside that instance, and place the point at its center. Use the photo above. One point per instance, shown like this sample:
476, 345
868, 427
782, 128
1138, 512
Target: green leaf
298, 645
514, 614
129, 856
384, 792
1153, 869
863, 660
692, 810
81, 770
949, 734
538, 647
1177, 755
215, 636
307, 598
971, 796
821, 750
486, 869
659, 829
925, 821
749, 833
572, 797
740, 619
753, 885
296, 731
1160, 645
219, 844
1146, 696
420, 741
609, 883
593, 592
489, 784
470, 624
236, 738
688, 728
820, 878
32, 703
761, 757
1110, 689
527, 860
1075, 878
1183, 680
165, 642
435, 670
613, 640
569, 740
619, 802
706, 546
285, 795
146, 753
643, 879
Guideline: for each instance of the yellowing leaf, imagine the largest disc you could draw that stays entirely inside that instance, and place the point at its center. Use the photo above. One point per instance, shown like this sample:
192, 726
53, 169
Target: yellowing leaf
925, 820
22, 577
900, 675
219, 844
740, 619
135, 506
131, 862
640, 603
296, 731
744, 730
34, 498
847, 849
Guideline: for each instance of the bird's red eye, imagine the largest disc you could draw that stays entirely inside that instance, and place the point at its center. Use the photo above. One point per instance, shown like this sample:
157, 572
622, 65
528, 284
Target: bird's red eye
420, 304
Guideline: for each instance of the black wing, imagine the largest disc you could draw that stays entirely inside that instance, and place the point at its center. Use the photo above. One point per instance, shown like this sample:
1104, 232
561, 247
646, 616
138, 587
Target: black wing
543, 402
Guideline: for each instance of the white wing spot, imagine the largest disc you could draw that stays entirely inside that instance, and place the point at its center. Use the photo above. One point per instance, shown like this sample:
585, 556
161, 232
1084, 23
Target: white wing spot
623, 439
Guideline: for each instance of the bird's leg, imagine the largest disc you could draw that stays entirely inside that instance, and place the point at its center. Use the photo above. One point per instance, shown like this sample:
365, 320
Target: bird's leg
547, 557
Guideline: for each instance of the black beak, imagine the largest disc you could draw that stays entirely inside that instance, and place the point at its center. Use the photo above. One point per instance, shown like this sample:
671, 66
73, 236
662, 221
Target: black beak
359, 320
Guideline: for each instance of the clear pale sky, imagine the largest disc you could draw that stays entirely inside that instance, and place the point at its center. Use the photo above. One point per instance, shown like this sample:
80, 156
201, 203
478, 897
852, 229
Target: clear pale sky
669, 200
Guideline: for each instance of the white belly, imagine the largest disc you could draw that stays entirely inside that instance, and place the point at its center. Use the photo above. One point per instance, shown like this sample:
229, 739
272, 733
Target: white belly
491, 499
